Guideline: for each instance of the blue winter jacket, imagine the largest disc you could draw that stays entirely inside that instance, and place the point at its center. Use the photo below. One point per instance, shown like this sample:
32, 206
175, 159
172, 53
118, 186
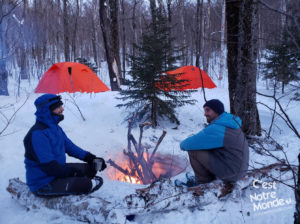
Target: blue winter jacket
212, 137
228, 148
46, 146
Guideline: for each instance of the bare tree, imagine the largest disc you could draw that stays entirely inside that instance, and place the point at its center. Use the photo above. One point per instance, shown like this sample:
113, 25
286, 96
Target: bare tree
198, 31
66, 31
152, 9
109, 25
182, 29
94, 39
241, 60
6, 8
297, 196
206, 36
222, 53
74, 34
123, 39
134, 26
3, 51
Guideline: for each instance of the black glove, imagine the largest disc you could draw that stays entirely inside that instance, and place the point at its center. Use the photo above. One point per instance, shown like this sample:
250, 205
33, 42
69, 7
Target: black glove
95, 162
99, 164
89, 158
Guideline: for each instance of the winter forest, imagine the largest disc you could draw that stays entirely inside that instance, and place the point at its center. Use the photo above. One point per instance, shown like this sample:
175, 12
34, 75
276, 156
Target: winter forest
247, 53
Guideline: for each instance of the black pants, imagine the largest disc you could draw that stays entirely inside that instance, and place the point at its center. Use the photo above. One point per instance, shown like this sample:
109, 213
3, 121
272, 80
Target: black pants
70, 185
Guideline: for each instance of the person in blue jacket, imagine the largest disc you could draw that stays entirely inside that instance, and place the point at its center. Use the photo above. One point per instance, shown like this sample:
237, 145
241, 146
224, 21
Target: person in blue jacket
220, 150
46, 145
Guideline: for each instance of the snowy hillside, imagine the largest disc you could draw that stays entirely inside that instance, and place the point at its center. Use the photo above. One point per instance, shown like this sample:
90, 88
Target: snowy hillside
104, 134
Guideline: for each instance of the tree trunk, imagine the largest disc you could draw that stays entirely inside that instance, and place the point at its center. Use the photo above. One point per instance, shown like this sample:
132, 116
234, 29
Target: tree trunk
66, 32
169, 15
109, 27
206, 39
197, 36
3, 55
222, 53
297, 196
22, 45
23, 67
134, 27
199, 31
114, 12
241, 61
161, 7
94, 39
183, 31
169, 2
152, 9
3, 78
283, 17
123, 41
75, 31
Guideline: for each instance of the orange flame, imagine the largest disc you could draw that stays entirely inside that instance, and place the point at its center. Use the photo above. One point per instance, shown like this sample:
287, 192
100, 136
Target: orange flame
162, 164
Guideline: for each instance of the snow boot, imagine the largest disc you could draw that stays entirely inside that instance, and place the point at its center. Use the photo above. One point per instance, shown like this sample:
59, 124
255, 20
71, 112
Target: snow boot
226, 189
191, 181
179, 183
96, 183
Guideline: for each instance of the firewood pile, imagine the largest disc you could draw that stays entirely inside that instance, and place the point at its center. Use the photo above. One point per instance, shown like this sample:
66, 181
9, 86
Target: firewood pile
141, 161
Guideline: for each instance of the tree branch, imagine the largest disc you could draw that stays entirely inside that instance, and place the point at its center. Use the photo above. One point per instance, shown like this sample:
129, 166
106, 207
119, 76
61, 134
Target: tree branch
291, 126
275, 10
10, 10
14, 114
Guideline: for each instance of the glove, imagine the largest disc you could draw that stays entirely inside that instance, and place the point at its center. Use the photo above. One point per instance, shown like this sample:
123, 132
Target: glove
99, 164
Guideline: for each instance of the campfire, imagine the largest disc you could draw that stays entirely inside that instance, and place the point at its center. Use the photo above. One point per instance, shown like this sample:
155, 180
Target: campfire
141, 166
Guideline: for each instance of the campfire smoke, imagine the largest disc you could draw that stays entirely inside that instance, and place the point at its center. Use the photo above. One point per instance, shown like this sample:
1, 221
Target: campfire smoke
142, 167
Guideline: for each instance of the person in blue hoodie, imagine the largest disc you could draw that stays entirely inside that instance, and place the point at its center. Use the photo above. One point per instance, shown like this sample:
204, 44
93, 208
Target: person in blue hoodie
46, 146
220, 150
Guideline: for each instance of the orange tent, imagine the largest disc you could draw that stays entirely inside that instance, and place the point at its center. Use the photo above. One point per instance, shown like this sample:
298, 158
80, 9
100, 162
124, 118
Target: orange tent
70, 77
193, 76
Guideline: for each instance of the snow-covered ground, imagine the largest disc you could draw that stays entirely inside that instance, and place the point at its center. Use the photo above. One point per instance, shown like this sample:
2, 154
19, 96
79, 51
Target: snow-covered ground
104, 134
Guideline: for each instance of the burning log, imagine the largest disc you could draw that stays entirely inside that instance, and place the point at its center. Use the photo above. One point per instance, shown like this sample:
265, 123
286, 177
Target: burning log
140, 162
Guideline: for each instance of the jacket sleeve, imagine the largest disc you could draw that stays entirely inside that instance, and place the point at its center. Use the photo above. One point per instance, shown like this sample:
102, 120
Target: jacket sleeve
46, 159
73, 150
211, 137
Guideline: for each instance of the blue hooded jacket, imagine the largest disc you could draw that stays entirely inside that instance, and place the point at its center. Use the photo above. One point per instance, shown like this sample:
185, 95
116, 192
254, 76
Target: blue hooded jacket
46, 146
228, 148
212, 137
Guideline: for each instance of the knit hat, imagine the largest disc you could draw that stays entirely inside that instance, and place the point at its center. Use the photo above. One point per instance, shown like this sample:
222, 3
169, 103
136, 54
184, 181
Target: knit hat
216, 105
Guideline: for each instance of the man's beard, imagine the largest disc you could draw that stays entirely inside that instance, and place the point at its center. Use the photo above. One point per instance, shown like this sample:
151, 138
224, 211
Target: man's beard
61, 117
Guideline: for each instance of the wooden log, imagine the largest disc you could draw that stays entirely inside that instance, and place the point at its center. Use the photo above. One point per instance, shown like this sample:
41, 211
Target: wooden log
130, 123
149, 176
156, 147
138, 164
133, 159
87, 208
112, 163
141, 136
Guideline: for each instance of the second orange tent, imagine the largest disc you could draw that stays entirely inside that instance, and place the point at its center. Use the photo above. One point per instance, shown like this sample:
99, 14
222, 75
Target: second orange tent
192, 75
